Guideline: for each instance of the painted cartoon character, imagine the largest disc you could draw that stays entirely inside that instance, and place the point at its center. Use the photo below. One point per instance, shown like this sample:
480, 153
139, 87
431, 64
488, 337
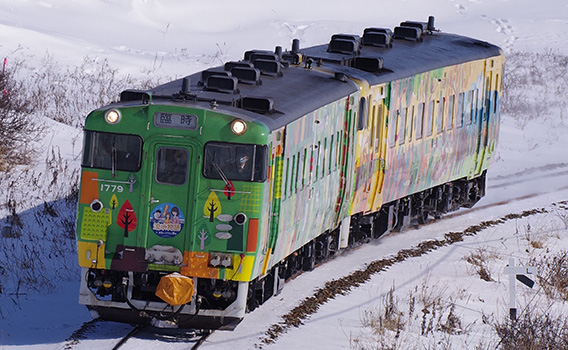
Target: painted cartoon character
166, 207
166, 220
174, 215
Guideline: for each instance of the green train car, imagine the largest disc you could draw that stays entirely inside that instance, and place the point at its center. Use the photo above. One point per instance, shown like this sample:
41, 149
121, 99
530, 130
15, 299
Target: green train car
200, 197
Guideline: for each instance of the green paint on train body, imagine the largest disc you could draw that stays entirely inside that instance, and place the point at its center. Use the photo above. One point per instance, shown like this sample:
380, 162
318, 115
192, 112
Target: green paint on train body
167, 182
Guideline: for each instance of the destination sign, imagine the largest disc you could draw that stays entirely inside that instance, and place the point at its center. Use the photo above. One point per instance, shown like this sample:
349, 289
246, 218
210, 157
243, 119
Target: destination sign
175, 120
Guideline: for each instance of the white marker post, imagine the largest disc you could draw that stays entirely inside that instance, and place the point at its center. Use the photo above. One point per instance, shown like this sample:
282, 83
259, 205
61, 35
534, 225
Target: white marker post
517, 273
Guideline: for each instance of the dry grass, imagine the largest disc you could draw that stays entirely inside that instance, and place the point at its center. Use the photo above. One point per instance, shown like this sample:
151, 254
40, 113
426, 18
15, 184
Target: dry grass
480, 260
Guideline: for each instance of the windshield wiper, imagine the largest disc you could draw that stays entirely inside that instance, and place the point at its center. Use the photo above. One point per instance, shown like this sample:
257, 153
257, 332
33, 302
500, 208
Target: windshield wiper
113, 159
223, 176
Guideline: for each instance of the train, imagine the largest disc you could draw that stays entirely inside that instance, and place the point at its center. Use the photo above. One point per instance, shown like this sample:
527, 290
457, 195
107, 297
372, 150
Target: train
200, 197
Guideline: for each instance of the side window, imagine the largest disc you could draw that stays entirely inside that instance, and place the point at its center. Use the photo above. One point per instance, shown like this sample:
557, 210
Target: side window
378, 126
411, 122
459, 114
468, 107
474, 106
392, 125
450, 116
362, 118
331, 154
286, 183
172, 165
440, 119
338, 151
305, 168
429, 118
496, 96
293, 174
296, 171
401, 132
419, 121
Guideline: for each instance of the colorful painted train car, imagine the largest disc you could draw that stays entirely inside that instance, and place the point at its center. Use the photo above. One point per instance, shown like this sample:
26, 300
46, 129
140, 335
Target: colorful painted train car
200, 197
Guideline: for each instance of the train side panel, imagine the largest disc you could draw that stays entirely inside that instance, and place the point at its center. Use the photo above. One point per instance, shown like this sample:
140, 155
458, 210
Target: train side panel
438, 130
315, 181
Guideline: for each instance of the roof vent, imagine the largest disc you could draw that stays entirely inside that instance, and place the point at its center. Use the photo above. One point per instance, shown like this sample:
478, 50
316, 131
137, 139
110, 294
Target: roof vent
377, 30
268, 67
408, 33
135, 95
369, 64
210, 72
263, 56
223, 84
231, 64
249, 53
353, 37
257, 104
420, 25
377, 39
246, 75
345, 46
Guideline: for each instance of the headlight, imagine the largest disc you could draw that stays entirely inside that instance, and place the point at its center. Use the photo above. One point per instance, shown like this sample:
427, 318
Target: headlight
112, 116
238, 127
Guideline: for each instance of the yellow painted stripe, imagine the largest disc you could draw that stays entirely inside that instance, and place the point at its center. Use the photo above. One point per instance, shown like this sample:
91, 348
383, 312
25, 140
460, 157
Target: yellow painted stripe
266, 258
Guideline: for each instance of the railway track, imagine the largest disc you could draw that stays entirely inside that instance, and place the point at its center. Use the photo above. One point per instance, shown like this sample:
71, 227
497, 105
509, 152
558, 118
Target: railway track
188, 339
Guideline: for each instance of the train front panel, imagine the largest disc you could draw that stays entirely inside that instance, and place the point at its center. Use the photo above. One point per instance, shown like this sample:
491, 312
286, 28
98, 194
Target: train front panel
170, 190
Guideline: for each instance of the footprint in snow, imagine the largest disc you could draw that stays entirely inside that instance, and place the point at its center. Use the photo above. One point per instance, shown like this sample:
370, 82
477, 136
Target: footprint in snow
461, 9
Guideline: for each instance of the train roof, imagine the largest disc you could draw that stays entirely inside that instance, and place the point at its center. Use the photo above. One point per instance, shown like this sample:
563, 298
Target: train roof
276, 88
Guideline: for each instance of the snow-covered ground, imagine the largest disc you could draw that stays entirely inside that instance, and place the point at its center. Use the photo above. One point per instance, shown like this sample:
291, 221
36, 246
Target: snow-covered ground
176, 37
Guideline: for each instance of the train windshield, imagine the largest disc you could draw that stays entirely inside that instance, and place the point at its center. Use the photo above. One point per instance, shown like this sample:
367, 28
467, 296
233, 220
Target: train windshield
118, 152
233, 161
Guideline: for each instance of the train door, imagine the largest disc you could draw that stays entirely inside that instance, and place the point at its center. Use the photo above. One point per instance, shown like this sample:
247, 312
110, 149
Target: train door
170, 205
346, 162
484, 106
380, 154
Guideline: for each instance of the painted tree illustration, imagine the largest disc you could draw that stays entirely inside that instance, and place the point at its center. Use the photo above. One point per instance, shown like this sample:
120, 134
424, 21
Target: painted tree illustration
229, 190
212, 207
113, 202
126, 218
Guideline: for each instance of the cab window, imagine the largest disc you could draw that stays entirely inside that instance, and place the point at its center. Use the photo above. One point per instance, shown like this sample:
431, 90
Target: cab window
233, 161
103, 150
172, 165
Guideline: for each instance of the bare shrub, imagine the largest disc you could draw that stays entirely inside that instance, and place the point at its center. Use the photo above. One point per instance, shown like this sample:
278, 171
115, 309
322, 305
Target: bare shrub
531, 86
552, 275
38, 239
67, 95
17, 127
561, 211
533, 330
386, 318
431, 321
479, 259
